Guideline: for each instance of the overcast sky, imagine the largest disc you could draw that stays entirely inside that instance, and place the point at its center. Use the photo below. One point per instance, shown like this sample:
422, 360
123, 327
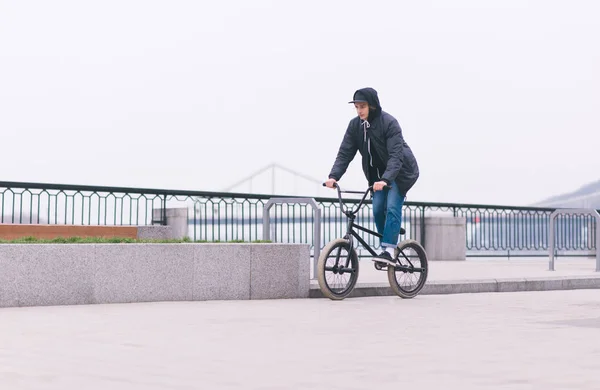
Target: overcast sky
499, 100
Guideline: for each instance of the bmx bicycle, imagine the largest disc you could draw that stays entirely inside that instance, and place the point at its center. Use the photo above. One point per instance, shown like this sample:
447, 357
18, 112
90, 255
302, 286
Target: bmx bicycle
337, 267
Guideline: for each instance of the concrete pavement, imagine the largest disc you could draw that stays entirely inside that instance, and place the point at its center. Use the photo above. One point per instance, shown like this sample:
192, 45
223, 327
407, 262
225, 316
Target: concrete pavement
527, 340
486, 275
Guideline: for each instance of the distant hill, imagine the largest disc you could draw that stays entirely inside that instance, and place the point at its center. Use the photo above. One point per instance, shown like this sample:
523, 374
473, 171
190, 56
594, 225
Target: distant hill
587, 196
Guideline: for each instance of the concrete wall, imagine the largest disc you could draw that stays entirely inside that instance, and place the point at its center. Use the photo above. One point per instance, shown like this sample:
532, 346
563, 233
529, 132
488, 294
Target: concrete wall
445, 238
155, 232
177, 221
69, 274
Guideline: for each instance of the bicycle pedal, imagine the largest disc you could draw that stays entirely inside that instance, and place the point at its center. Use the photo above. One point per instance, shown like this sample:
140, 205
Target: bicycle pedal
380, 266
381, 262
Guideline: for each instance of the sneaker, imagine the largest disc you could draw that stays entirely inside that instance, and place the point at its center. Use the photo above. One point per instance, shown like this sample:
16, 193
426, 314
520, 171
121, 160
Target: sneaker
384, 257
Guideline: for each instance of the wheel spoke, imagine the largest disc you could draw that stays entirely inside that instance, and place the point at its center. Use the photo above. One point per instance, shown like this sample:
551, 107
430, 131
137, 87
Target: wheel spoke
338, 269
408, 278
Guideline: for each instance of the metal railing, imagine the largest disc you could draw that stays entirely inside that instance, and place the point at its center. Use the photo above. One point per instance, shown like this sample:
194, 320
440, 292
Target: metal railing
590, 212
213, 216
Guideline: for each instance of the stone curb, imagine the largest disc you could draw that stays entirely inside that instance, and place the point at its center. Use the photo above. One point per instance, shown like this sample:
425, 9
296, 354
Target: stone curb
477, 286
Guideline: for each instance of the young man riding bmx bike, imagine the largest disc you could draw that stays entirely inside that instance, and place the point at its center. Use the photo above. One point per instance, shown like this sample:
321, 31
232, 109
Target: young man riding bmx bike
387, 162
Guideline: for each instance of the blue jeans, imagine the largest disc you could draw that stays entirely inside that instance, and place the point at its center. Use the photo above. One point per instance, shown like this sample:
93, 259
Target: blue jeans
387, 210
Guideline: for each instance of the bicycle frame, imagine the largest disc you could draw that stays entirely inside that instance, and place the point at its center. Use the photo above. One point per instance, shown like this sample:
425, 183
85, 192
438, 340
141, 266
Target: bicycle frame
351, 233
351, 214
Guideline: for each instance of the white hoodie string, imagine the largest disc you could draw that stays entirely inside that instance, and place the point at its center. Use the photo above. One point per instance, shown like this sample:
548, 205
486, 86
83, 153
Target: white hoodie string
367, 125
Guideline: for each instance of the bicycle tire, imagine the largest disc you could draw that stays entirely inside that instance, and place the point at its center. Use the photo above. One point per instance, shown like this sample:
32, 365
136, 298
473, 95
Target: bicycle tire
321, 265
422, 255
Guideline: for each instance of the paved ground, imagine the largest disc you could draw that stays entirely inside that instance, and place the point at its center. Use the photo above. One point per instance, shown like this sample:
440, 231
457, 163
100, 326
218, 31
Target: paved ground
490, 268
527, 340
484, 275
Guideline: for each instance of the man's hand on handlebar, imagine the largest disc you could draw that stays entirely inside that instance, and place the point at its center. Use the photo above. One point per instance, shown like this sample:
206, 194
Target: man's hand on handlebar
330, 183
380, 185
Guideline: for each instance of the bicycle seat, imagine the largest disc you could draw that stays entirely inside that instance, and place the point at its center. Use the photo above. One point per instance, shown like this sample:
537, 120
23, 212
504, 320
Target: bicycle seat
402, 231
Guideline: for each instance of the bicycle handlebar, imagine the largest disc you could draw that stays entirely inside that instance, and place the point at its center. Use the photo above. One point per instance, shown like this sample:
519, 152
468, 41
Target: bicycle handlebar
335, 185
365, 193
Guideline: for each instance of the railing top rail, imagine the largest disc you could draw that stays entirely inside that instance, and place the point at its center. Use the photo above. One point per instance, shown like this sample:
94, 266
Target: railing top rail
563, 211
131, 190
212, 194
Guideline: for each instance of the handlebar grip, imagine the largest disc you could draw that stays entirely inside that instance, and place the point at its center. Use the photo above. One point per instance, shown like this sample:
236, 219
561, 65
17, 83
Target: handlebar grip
334, 185
386, 187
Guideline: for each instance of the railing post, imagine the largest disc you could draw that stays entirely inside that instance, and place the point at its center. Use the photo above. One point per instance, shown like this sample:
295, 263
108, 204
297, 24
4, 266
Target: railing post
552, 240
597, 241
164, 211
316, 223
422, 238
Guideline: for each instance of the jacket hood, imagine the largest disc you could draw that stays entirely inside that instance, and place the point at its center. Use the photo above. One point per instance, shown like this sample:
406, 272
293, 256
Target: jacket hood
370, 96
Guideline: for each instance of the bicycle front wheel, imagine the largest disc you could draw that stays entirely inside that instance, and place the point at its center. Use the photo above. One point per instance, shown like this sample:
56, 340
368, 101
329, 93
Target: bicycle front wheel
337, 269
408, 277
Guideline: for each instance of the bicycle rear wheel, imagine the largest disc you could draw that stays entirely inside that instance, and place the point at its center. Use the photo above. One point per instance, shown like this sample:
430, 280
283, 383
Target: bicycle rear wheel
337, 269
408, 277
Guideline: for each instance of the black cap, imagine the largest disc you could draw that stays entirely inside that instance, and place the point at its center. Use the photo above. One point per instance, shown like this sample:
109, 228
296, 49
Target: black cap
359, 97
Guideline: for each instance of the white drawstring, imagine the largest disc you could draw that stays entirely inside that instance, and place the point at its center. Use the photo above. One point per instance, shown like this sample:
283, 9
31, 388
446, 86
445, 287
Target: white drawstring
367, 125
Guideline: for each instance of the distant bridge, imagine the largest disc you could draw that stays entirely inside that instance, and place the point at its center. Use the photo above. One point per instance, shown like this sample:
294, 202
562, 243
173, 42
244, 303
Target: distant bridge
271, 170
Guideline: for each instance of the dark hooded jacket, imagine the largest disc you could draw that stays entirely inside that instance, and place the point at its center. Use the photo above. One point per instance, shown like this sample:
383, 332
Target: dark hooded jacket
385, 154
